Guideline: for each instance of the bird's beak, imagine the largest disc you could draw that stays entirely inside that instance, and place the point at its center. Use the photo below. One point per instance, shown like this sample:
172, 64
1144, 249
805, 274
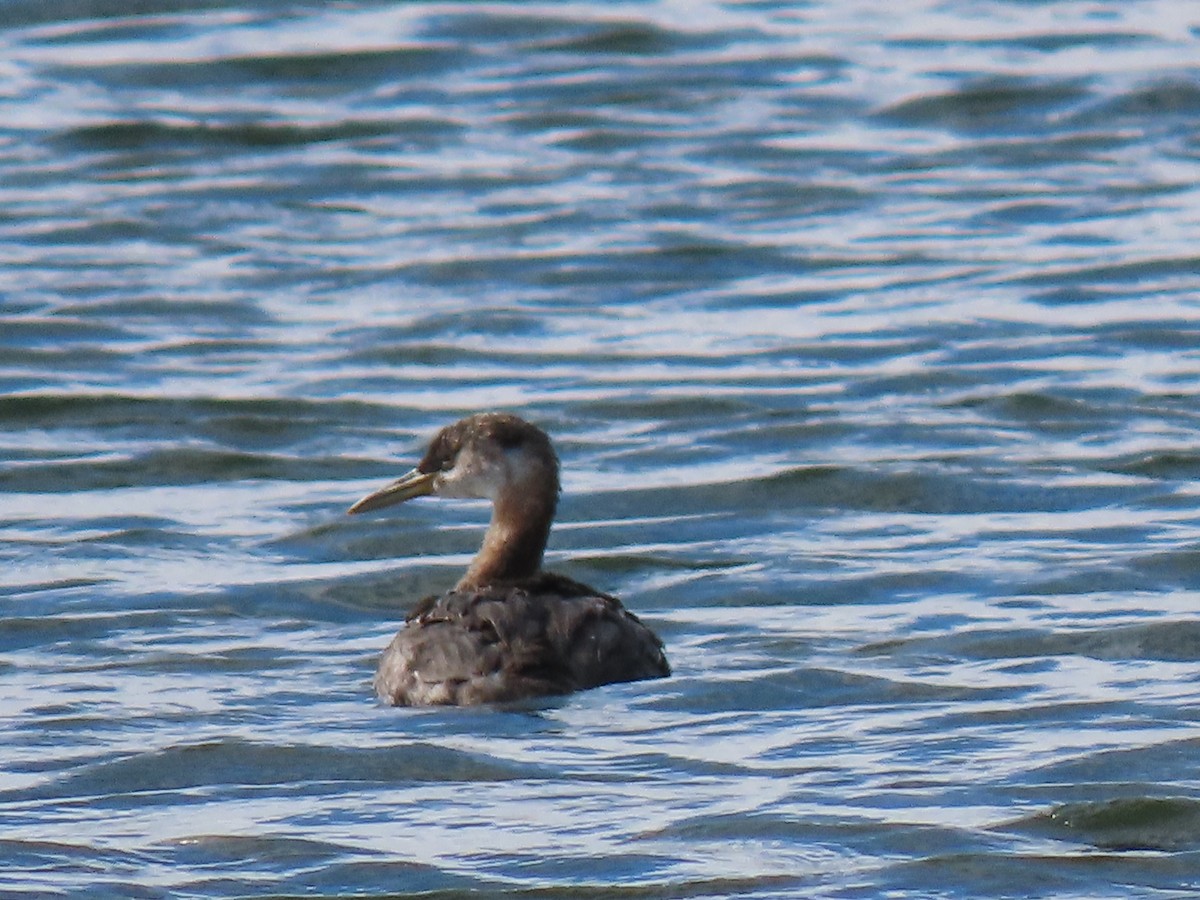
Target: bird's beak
415, 484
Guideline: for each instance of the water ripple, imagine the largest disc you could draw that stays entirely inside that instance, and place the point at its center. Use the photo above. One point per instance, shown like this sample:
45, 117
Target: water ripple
867, 343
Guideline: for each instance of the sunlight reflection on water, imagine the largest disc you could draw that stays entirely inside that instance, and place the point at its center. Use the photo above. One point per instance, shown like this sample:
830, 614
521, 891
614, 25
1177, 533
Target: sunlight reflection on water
868, 345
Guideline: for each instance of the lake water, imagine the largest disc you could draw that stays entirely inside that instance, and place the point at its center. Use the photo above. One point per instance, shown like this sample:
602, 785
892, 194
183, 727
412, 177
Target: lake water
869, 336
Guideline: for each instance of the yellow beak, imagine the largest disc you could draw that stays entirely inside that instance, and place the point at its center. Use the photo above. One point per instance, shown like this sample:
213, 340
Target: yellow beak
414, 484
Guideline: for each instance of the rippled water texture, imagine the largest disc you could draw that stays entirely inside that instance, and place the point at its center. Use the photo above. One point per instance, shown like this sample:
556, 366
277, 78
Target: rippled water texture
868, 334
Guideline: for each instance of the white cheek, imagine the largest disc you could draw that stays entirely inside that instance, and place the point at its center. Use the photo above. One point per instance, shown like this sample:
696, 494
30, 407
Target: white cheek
469, 479
456, 484
520, 469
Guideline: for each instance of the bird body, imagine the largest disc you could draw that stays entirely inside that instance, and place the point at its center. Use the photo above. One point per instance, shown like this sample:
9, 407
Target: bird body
507, 631
510, 641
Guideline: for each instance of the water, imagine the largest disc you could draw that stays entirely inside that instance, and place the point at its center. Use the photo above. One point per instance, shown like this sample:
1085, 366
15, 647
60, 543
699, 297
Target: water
868, 336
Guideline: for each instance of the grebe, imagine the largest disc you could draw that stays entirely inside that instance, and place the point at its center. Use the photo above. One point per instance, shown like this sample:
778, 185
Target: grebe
507, 631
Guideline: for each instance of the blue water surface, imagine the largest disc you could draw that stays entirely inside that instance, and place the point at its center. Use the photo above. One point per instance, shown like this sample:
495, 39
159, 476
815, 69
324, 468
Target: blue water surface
869, 338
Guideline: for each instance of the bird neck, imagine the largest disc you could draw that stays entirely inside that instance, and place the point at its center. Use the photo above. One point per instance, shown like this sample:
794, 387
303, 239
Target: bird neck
516, 537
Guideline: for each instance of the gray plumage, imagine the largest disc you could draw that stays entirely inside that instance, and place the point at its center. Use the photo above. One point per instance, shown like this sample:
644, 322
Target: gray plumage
541, 636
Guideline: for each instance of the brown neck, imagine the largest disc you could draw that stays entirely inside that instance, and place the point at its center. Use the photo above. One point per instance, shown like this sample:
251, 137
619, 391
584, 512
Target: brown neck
516, 538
